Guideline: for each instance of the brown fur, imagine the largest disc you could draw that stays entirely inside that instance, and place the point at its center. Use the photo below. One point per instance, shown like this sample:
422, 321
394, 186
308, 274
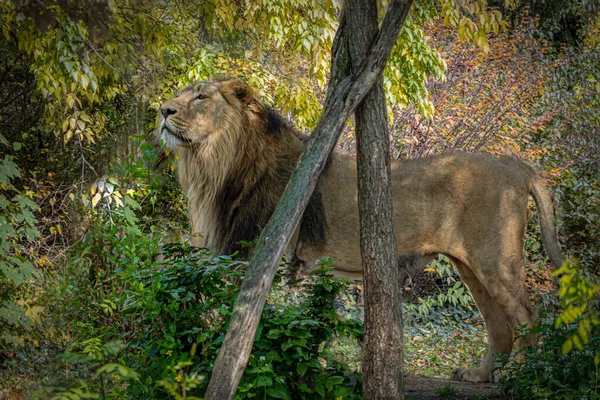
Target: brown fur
235, 158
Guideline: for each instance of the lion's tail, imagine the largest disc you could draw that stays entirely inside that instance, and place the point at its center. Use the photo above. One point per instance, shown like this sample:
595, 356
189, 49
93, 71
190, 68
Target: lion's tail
545, 207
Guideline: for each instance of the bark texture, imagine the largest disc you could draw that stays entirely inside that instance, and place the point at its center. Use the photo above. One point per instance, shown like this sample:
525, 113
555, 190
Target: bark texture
382, 350
344, 94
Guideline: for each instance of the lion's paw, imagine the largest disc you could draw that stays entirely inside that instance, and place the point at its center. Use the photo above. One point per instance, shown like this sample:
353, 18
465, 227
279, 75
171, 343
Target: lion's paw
475, 375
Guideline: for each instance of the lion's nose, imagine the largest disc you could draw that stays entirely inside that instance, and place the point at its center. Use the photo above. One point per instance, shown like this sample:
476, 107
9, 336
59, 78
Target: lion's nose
166, 111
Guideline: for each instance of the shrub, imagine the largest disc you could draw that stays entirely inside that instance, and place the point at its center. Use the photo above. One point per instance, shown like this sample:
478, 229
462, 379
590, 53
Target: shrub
545, 373
171, 306
565, 363
17, 231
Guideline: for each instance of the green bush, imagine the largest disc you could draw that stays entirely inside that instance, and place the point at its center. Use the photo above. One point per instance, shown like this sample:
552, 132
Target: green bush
438, 298
544, 372
170, 306
17, 231
565, 363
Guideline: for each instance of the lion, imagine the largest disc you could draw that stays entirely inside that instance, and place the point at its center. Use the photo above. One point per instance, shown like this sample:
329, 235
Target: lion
235, 157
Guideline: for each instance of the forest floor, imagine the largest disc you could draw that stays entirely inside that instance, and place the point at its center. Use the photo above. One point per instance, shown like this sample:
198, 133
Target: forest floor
429, 388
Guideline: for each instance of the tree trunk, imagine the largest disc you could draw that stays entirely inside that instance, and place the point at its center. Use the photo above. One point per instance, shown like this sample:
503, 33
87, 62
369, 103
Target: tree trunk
344, 94
382, 350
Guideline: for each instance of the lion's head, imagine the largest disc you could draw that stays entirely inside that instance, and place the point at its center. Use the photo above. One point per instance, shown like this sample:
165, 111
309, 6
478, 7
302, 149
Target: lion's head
204, 111
235, 157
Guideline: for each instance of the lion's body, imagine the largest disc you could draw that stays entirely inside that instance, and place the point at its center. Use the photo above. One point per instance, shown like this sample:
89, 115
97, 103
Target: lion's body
469, 207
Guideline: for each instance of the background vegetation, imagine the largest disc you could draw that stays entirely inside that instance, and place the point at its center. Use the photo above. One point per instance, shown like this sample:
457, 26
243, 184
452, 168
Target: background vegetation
102, 298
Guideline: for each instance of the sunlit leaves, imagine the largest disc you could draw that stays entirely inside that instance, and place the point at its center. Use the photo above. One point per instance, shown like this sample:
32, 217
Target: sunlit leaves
152, 51
487, 101
576, 294
474, 20
412, 63
106, 189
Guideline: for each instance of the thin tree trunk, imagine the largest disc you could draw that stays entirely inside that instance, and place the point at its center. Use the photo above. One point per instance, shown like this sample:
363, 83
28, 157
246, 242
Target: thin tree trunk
382, 350
344, 94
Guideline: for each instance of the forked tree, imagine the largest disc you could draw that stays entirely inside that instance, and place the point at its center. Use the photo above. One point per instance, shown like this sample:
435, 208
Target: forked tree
359, 54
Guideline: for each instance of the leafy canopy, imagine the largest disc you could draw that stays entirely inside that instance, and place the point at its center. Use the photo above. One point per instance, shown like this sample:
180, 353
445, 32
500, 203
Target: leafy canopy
88, 53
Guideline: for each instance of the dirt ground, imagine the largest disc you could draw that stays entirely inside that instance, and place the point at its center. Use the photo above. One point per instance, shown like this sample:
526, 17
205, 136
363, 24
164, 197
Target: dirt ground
416, 388
424, 388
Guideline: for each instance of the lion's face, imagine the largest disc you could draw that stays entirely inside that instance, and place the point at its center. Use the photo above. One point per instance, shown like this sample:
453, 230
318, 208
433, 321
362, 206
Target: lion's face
201, 111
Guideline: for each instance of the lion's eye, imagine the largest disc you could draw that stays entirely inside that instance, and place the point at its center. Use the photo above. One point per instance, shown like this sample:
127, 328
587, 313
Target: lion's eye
201, 96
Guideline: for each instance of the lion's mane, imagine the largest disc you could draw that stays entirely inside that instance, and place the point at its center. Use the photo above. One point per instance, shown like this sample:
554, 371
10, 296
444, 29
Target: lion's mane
234, 182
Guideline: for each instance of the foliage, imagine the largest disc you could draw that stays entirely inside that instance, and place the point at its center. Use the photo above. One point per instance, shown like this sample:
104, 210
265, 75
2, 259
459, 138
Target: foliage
553, 367
147, 50
543, 372
446, 391
561, 21
289, 356
574, 97
80, 165
172, 305
474, 20
412, 62
578, 298
485, 101
443, 300
94, 359
17, 230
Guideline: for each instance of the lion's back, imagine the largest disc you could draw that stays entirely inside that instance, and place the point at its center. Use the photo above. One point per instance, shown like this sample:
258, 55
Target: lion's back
458, 195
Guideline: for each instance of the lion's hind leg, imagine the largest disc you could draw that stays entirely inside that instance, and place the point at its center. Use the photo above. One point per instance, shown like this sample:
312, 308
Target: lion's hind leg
500, 334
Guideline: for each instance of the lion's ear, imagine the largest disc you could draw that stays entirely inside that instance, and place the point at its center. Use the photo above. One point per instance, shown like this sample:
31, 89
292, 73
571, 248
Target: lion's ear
239, 89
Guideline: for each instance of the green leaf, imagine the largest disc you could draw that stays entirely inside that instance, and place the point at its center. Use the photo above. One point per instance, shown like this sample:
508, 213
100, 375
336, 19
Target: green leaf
8, 170
120, 369
301, 368
263, 381
291, 343
333, 381
274, 333
279, 391
320, 389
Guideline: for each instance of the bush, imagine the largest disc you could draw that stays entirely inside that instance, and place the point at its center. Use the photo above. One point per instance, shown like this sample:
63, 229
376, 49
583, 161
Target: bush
171, 306
17, 232
565, 363
544, 372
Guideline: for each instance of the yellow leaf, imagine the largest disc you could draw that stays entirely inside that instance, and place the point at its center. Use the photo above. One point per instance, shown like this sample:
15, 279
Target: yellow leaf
96, 199
67, 136
85, 81
577, 342
557, 322
567, 346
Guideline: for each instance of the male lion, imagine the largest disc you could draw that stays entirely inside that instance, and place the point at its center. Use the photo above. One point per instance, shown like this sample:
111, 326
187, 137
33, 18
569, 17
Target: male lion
236, 156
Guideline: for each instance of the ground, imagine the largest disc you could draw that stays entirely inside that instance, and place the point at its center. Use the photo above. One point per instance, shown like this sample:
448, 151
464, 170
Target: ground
428, 388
